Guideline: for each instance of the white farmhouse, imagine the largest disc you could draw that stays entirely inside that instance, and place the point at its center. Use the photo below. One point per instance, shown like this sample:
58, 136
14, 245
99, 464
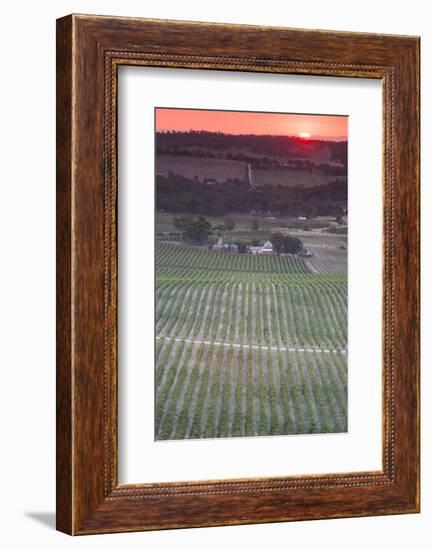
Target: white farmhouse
266, 250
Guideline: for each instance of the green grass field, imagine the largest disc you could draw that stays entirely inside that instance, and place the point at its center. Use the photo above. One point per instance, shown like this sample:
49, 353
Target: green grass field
189, 167
248, 345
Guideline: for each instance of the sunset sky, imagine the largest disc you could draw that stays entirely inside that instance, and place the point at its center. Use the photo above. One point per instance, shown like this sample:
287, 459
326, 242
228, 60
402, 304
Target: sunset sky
238, 122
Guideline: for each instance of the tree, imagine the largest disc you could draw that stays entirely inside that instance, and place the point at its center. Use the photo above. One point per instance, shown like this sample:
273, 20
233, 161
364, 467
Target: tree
277, 240
285, 244
198, 231
292, 245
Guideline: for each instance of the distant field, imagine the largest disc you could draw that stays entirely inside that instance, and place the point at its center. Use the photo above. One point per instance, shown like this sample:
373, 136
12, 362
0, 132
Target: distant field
248, 345
328, 256
189, 167
243, 223
222, 169
290, 177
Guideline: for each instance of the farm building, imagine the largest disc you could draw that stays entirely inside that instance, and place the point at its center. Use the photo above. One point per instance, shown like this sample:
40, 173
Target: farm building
208, 181
226, 247
266, 250
219, 244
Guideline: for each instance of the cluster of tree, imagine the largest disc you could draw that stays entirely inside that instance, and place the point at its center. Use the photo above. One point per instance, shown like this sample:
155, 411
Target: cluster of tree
212, 143
208, 153
182, 152
183, 224
179, 194
285, 244
195, 231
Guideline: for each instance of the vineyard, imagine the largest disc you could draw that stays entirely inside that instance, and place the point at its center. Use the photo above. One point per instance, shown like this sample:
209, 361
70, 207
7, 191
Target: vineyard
248, 345
329, 253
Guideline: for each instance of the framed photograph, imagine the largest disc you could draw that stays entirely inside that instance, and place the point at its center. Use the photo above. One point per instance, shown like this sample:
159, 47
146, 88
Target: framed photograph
237, 274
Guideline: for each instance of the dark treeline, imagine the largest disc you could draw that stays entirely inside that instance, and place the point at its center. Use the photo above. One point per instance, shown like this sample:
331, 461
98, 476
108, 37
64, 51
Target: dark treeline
205, 143
178, 194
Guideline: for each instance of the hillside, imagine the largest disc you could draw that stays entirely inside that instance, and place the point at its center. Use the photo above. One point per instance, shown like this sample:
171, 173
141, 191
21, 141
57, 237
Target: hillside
251, 147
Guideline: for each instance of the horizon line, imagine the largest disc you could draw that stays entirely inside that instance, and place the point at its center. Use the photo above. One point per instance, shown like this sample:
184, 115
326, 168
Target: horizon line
311, 138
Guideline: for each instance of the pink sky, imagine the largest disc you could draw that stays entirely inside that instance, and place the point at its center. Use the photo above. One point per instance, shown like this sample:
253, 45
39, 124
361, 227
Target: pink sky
238, 122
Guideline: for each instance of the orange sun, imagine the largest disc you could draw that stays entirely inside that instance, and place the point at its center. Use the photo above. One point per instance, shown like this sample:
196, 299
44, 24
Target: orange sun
304, 135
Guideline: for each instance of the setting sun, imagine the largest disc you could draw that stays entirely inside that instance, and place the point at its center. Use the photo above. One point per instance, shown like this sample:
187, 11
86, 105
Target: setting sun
304, 135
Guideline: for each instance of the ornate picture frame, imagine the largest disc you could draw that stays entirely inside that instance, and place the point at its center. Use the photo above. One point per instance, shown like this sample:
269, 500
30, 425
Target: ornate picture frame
89, 51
